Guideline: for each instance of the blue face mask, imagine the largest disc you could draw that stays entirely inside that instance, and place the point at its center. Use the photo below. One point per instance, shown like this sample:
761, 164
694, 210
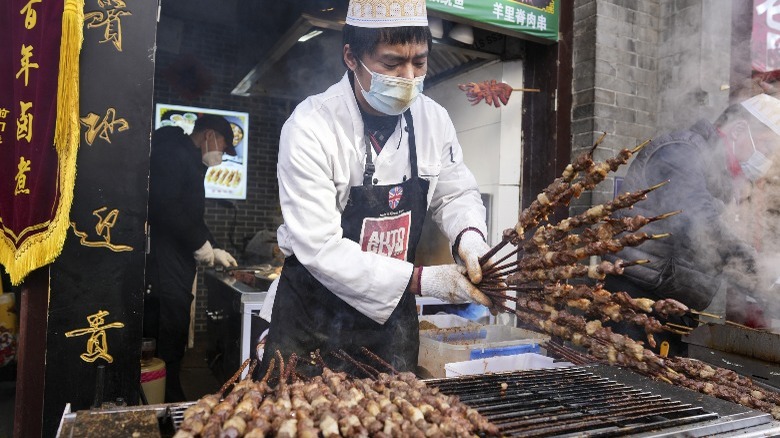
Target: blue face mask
757, 165
391, 95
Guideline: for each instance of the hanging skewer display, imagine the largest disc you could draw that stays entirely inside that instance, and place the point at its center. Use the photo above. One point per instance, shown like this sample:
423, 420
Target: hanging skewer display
492, 92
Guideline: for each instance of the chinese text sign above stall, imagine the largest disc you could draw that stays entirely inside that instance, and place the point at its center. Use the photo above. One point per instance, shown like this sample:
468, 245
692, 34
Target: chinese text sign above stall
765, 41
38, 129
228, 180
537, 18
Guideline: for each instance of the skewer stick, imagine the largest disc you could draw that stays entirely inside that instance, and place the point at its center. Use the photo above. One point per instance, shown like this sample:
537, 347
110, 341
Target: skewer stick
532, 90
736, 324
499, 295
493, 251
665, 215
378, 359
640, 146
680, 327
495, 266
505, 308
597, 143
269, 371
235, 377
664, 379
710, 315
655, 187
676, 332
636, 262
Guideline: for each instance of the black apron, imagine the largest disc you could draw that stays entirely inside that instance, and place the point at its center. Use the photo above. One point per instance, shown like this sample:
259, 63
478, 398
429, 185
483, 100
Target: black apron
307, 316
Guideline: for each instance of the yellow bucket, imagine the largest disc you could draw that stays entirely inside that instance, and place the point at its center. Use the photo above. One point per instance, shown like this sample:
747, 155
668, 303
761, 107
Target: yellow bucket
153, 380
9, 324
8, 317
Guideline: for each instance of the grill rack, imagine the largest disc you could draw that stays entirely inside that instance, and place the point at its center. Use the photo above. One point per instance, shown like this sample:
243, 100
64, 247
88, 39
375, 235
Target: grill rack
582, 401
590, 401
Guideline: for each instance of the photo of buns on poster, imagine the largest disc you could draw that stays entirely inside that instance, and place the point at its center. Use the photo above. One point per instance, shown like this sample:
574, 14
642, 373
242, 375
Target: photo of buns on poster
227, 180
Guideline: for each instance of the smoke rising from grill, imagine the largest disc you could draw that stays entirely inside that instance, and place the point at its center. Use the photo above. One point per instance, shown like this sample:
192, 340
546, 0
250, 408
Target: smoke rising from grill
704, 63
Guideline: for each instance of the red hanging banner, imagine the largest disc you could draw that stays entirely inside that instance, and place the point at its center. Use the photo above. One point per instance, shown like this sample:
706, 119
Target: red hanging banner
39, 128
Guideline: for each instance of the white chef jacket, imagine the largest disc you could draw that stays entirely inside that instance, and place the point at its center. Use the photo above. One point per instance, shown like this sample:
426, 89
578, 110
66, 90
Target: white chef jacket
322, 153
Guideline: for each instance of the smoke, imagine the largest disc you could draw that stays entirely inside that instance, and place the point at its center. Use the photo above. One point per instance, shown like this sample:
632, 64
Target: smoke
704, 63
765, 201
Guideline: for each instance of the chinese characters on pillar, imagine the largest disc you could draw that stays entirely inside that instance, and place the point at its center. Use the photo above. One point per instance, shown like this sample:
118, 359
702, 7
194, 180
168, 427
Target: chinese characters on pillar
103, 229
97, 343
103, 127
110, 18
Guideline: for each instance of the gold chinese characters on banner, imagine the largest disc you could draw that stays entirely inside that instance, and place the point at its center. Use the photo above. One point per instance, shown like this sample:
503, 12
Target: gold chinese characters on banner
39, 135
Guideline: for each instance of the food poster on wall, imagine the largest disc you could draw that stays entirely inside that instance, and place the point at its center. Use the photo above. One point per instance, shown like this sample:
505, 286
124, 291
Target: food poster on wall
228, 180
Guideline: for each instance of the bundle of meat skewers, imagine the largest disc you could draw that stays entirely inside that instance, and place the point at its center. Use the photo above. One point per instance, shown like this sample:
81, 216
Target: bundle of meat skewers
543, 256
530, 268
331, 405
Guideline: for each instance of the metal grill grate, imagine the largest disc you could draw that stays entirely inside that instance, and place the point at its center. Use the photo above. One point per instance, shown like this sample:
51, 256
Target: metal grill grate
574, 401
592, 401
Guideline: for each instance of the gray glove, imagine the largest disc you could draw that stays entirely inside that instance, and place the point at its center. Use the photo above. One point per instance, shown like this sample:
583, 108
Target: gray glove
223, 258
470, 249
205, 254
449, 283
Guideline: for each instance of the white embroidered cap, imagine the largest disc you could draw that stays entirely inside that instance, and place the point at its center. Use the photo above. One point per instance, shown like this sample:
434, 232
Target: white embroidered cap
766, 109
387, 13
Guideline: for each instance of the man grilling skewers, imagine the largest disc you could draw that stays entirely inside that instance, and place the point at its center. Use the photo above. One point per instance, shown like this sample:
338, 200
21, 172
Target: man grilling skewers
358, 167
704, 260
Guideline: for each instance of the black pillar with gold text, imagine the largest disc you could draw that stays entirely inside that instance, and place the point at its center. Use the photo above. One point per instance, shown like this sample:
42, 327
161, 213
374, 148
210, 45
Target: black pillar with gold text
97, 284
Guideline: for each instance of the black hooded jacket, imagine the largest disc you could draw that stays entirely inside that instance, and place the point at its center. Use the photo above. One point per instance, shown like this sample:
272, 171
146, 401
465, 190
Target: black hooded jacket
176, 207
690, 265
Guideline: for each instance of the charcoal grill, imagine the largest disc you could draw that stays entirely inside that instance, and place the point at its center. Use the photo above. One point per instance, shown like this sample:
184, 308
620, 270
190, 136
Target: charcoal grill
581, 401
752, 353
599, 401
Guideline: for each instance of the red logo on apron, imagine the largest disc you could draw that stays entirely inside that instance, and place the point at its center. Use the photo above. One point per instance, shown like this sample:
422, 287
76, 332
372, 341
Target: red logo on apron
387, 236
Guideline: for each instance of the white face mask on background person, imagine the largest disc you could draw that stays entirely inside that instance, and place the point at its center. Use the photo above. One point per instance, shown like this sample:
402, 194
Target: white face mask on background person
391, 95
757, 165
212, 158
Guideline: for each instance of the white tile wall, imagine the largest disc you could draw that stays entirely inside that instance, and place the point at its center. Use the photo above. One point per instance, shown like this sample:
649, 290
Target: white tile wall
491, 139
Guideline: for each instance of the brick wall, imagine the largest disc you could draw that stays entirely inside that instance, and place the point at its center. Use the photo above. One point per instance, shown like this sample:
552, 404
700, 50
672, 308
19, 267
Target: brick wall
216, 48
643, 67
694, 58
615, 79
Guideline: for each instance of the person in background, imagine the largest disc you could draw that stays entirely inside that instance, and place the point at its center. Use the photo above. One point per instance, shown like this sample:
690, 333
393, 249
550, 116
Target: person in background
705, 263
178, 236
359, 166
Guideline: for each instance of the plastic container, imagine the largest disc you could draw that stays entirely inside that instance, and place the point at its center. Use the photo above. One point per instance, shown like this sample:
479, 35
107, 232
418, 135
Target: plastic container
499, 364
440, 347
445, 321
153, 381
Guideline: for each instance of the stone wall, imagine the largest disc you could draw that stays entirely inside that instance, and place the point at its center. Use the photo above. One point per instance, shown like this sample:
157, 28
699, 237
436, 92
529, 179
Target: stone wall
642, 67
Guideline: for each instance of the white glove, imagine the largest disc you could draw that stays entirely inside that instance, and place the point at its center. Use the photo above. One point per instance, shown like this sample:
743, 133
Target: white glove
223, 258
470, 249
205, 255
449, 283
